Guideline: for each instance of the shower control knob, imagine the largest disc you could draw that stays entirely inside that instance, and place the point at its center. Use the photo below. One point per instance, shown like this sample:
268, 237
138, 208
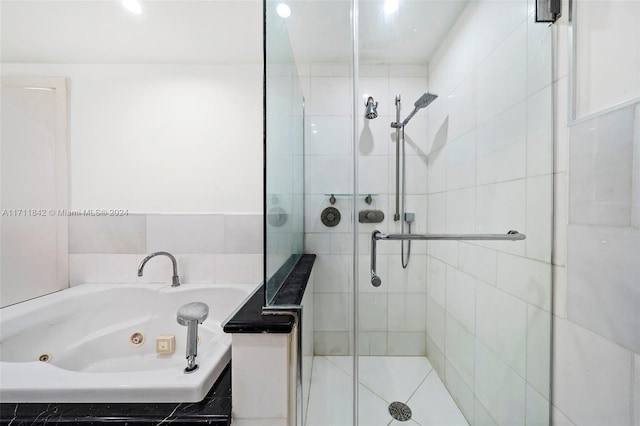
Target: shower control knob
370, 216
330, 216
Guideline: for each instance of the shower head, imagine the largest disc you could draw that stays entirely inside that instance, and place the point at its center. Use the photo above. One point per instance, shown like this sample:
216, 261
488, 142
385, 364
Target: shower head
425, 100
372, 109
422, 102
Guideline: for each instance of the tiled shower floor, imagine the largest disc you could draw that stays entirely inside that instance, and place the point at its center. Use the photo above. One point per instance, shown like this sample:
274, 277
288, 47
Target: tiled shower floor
382, 380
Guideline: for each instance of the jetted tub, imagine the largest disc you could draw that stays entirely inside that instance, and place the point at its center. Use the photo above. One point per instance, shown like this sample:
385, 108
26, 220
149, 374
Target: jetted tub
83, 344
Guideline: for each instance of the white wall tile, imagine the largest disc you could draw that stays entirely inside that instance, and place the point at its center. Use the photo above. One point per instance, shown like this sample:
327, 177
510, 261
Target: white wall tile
243, 234
585, 387
186, 233
499, 388
332, 312
461, 162
538, 408
462, 42
460, 350
539, 59
119, 268
328, 135
331, 343
539, 217
500, 208
502, 78
461, 210
598, 84
559, 291
372, 343
492, 32
436, 357
558, 418
479, 262
410, 280
462, 394
436, 324
329, 96
373, 312
561, 128
107, 234
238, 268
462, 108
437, 213
635, 196
461, 297
540, 132
436, 278
327, 174
260, 363
502, 146
636, 389
196, 268
83, 269
527, 279
437, 171
333, 273
406, 344
501, 324
601, 169
406, 312
538, 353
603, 285
560, 218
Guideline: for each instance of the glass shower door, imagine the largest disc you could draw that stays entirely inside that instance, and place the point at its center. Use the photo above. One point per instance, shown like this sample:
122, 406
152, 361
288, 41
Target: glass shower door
453, 136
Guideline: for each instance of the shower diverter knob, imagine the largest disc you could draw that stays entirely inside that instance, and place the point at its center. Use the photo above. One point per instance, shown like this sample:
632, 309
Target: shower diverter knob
370, 216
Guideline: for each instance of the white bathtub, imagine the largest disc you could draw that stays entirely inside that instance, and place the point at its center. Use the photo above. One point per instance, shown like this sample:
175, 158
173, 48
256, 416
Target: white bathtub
86, 332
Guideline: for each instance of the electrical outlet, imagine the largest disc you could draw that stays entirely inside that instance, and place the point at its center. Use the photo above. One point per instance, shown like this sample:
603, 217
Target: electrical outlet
165, 344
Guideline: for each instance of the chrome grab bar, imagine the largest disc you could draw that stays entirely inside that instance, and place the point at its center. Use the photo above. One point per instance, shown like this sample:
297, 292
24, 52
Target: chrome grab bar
377, 235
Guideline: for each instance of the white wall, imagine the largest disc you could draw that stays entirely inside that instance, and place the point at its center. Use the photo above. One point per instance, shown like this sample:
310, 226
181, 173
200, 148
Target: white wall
162, 138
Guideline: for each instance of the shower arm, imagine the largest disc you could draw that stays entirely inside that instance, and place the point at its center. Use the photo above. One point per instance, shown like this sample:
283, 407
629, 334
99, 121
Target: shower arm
377, 235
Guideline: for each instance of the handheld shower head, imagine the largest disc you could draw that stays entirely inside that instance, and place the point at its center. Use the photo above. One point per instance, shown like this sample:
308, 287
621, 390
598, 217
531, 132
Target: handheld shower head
422, 102
372, 109
425, 100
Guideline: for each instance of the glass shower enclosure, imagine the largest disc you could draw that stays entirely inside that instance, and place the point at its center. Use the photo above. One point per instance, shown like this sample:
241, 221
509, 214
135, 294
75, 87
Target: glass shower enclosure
428, 128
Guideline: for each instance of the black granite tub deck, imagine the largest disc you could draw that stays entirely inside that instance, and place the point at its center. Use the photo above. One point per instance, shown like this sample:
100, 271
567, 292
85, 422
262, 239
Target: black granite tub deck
214, 409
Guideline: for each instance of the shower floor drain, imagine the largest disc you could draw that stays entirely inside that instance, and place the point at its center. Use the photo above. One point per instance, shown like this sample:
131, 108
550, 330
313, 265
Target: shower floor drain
400, 411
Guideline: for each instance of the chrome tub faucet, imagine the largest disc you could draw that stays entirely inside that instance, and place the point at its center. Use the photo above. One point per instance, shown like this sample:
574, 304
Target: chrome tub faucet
175, 282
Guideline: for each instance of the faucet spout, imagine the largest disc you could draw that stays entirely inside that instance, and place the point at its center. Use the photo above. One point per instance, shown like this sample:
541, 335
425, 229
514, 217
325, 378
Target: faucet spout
175, 281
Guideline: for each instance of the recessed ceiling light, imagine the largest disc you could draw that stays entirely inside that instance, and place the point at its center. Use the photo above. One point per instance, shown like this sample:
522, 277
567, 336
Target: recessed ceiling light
391, 6
132, 6
283, 10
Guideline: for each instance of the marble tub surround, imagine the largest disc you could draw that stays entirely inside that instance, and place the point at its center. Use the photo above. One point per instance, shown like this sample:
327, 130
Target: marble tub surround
214, 409
212, 248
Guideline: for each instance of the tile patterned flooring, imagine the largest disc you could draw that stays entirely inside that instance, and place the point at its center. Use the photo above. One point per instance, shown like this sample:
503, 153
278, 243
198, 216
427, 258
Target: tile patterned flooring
382, 380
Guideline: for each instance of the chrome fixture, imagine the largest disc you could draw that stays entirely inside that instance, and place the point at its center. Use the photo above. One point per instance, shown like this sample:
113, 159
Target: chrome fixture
377, 235
372, 109
175, 279
191, 315
422, 102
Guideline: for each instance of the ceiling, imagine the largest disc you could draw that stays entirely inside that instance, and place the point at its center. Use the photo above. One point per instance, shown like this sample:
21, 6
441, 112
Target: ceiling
217, 31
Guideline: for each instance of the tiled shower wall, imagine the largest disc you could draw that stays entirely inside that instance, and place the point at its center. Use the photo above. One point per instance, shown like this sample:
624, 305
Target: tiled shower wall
209, 248
490, 171
392, 317
596, 322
